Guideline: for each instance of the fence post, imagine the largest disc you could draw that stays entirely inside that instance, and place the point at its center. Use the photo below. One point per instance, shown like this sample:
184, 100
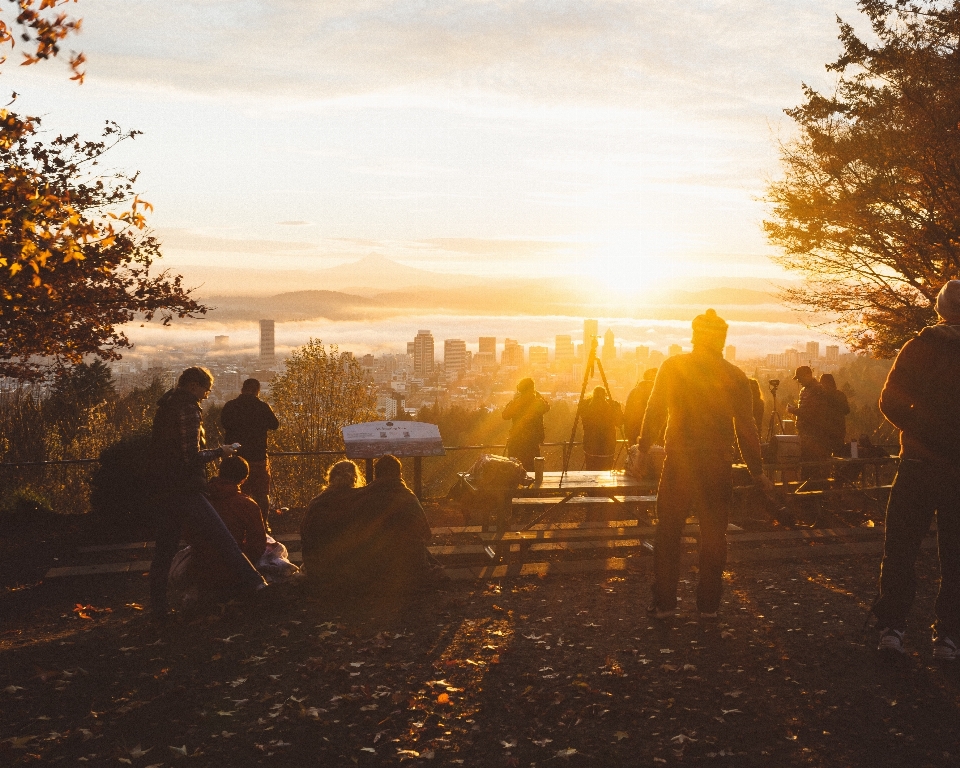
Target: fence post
418, 476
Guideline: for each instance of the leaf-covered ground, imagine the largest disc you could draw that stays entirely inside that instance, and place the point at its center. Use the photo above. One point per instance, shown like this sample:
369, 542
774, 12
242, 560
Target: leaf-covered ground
554, 671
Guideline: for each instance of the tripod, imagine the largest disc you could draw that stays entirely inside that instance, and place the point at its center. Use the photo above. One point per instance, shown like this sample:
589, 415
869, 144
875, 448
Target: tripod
775, 420
592, 362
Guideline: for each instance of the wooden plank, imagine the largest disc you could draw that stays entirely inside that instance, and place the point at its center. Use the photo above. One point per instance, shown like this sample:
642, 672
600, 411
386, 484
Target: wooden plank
536, 569
95, 570
116, 547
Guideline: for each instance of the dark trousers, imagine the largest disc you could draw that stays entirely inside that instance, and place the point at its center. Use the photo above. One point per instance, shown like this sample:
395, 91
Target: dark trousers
525, 450
257, 486
920, 490
175, 510
692, 482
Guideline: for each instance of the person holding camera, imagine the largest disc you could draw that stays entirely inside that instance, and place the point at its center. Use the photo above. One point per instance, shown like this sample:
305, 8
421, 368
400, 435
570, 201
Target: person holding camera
920, 398
705, 402
811, 411
526, 410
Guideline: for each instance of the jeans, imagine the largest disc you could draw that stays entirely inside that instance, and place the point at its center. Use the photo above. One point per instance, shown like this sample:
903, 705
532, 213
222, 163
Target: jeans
692, 482
920, 490
175, 510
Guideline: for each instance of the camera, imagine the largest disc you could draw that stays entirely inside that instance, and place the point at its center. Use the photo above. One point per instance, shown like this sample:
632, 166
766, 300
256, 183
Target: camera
773, 384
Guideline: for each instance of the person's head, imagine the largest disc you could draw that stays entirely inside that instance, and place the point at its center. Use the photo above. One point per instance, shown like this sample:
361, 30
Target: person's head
805, 376
599, 393
709, 332
525, 385
343, 474
828, 382
387, 468
197, 381
234, 469
250, 387
650, 374
948, 302
755, 387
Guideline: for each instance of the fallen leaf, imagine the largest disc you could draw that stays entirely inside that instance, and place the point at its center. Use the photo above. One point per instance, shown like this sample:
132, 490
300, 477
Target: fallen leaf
542, 742
20, 742
509, 744
368, 749
621, 735
443, 698
731, 712
570, 752
182, 751
138, 752
13, 689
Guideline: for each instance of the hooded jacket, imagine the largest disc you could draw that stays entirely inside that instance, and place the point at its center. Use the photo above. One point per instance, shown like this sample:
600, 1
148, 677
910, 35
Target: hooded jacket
921, 397
241, 515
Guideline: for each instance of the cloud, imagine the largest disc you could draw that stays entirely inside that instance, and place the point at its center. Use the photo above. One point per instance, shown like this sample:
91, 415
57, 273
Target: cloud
184, 240
713, 55
293, 223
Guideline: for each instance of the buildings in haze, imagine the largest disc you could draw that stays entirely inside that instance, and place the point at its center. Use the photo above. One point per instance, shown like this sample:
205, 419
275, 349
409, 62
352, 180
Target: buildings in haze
674, 350
221, 342
730, 353
512, 355
454, 355
538, 356
423, 355
609, 352
591, 328
832, 354
563, 351
268, 351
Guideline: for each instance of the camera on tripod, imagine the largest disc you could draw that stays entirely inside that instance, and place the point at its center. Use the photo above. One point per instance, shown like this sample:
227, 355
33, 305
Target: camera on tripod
773, 384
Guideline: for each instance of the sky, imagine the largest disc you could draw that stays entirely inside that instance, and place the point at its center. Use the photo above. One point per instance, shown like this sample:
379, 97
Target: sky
629, 141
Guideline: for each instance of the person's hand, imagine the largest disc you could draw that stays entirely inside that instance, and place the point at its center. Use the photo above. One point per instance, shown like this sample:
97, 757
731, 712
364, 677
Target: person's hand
227, 451
792, 409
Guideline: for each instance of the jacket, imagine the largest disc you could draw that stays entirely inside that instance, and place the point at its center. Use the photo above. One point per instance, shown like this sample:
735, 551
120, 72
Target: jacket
921, 397
178, 446
526, 411
246, 420
600, 421
706, 402
634, 409
241, 515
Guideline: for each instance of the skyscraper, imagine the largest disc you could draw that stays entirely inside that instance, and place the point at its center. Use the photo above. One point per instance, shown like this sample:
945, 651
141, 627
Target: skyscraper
591, 328
833, 354
268, 354
539, 356
488, 345
813, 350
454, 355
563, 349
423, 361
609, 352
512, 356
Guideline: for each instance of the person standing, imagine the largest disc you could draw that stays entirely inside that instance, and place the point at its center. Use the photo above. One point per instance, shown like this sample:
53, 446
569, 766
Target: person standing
921, 399
811, 413
178, 458
636, 406
705, 403
526, 410
600, 416
246, 420
837, 408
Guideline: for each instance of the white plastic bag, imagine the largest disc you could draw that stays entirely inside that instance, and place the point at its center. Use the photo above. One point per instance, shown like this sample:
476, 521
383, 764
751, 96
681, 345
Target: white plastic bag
274, 564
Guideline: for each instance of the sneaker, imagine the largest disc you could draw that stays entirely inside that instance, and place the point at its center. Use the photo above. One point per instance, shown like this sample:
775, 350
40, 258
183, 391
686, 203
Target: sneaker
891, 640
657, 613
944, 648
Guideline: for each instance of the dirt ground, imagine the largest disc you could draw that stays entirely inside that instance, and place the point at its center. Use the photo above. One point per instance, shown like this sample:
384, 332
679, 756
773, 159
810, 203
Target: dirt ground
550, 671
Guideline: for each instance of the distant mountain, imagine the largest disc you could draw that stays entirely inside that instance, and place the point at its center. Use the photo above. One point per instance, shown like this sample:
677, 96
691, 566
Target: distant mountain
297, 305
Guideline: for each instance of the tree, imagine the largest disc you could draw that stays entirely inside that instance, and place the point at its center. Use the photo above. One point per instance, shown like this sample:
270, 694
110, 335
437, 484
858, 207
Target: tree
320, 391
75, 254
868, 209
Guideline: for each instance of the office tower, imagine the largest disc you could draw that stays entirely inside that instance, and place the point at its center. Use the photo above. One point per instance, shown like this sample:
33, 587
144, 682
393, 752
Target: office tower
512, 356
609, 352
221, 342
539, 356
833, 354
643, 354
674, 350
813, 350
591, 328
268, 354
411, 346
488, 345
563, 351
791, 358
730, 353
454, 355
423, 355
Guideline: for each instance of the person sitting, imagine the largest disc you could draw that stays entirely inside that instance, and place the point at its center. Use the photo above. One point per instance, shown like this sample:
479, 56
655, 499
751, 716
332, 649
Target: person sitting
239, 512
327, 517
371, 538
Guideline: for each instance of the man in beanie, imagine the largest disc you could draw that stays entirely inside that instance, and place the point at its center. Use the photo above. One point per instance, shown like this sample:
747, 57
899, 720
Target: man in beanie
526, 433
705, 402
920, 398
812, 423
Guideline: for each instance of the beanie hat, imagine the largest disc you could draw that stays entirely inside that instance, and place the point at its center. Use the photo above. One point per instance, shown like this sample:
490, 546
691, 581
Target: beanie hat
709, 322
948, 301
526, 385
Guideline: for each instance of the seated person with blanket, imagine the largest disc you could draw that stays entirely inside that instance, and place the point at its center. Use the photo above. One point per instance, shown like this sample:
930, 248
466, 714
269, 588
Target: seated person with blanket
369, 539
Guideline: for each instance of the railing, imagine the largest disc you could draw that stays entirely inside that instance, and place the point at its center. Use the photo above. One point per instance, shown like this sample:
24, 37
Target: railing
297, 475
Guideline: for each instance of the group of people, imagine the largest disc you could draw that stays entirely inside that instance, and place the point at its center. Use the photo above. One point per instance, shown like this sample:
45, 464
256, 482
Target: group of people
701, 408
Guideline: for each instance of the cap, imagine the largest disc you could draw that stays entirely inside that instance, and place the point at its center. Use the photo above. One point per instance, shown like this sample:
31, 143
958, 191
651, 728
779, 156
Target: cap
805, 370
